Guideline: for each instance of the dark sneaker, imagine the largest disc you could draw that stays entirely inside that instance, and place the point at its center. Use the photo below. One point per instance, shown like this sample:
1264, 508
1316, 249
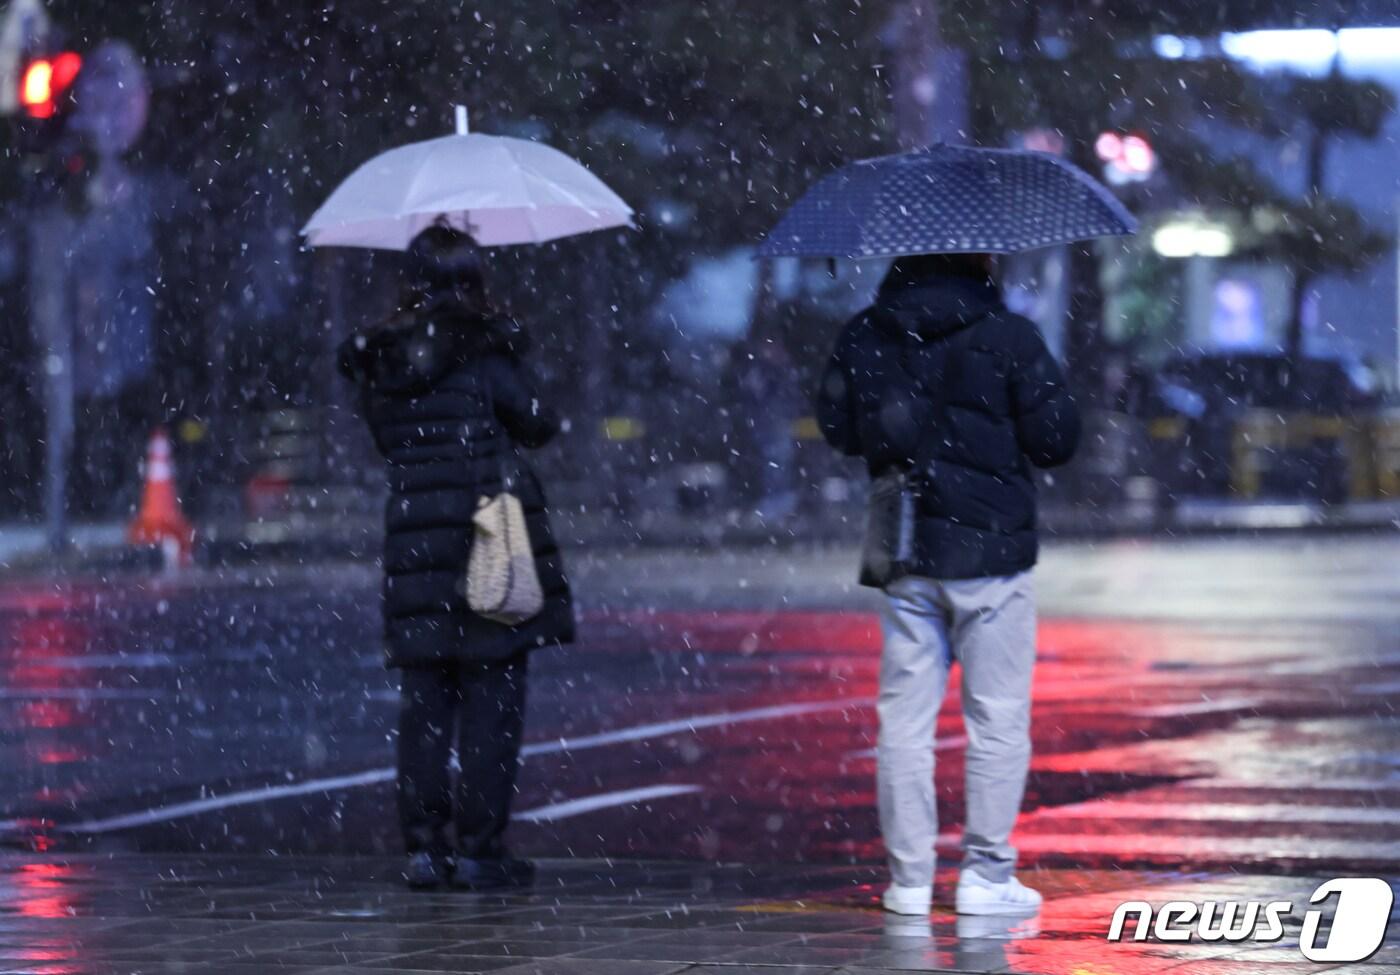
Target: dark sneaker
493, 874
425, 871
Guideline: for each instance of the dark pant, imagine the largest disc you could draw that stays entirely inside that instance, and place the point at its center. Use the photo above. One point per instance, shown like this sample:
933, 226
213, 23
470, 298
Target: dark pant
486, 701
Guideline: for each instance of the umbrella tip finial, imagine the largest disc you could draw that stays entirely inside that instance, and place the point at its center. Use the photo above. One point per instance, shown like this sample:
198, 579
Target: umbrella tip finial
461, 112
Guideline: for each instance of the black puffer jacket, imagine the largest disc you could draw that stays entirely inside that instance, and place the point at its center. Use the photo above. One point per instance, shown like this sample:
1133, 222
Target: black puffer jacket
448, 399
939, 378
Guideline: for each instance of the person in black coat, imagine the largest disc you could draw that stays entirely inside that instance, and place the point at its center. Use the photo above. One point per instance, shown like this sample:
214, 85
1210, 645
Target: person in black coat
449, 400
939, 382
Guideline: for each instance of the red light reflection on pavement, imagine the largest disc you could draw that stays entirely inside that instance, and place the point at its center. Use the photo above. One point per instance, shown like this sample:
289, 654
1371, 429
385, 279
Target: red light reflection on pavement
1120, 708
50, 714
40, 890
29, 649
742, 632
42, 631
1145, 714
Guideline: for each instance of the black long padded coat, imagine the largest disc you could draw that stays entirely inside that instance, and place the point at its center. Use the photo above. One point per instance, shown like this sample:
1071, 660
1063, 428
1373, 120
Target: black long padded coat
939, 378
448, 401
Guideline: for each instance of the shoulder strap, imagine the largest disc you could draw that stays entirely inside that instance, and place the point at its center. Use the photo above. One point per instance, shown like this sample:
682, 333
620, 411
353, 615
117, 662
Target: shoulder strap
509, 462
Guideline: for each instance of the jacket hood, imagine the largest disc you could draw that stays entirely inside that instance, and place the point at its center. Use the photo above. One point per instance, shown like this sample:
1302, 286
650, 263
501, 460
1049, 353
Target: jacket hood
934, 306
415, 349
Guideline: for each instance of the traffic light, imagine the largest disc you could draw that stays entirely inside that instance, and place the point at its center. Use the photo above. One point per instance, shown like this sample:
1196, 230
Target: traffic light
45, 83
53, 160
1126, 158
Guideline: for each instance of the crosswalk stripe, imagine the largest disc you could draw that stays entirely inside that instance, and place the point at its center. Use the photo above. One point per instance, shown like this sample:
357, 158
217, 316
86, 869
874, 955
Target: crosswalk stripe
1197, 707
1379, 784
1381, 855
607, 800
1109, 810
181, 810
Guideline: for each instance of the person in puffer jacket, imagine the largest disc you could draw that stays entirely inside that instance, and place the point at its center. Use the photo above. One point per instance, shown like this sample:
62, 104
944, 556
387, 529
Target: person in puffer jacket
939, 380
449, 400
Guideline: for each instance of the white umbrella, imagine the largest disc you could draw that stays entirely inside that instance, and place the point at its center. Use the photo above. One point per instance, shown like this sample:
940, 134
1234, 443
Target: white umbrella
498, 189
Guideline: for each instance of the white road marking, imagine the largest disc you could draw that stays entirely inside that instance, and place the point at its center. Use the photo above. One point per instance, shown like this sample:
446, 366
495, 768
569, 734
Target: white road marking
193, 808
607, 800
1331, 665
658, 729
1382, 855
1111, 810
1379, 784
1198, 707
661, 729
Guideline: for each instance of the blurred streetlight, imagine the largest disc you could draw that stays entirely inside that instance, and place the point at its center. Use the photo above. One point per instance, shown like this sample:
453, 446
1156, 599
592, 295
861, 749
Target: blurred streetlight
1193, 238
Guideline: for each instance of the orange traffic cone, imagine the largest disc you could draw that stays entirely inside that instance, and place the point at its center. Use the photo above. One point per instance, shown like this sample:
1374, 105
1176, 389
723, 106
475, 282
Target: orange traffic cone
160, 521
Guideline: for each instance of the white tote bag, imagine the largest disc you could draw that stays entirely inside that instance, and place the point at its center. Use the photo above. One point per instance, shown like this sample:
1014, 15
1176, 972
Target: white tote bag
502, 583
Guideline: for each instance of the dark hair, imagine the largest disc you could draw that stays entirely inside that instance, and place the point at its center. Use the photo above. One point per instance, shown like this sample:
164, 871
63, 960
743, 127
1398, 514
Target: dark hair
443, 265
913, 268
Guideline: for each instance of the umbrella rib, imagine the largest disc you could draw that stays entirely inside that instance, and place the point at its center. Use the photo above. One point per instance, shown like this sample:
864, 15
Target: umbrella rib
555, 185
308, 228
518, 170
534, 227
401, 210
423, 168
412, 185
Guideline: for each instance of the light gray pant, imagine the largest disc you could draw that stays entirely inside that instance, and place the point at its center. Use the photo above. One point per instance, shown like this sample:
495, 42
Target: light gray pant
987, 625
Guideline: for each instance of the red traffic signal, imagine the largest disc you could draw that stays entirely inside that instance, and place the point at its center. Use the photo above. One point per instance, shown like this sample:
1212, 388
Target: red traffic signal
45, 81
1127, 158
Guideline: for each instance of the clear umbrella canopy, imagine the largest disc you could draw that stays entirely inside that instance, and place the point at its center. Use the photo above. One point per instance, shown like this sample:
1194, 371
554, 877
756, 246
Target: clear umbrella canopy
499, 189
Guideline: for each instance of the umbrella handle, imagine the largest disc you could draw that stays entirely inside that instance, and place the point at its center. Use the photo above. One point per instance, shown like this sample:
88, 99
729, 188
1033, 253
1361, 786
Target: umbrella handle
461, 114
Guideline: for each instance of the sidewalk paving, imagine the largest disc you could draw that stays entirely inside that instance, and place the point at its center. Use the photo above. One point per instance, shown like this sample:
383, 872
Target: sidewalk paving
128, 913
341, 536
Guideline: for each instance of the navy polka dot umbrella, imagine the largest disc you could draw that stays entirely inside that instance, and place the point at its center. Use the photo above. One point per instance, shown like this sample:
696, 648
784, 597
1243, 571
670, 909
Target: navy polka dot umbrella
947, 199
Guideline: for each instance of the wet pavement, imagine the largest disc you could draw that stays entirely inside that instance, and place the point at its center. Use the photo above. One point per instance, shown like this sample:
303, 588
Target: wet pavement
1205, 712
164, 913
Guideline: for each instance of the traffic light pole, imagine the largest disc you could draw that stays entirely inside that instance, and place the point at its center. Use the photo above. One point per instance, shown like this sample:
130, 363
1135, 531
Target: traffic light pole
49, 284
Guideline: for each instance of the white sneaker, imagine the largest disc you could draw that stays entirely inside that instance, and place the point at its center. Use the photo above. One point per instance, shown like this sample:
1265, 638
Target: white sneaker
978, 895
908, 900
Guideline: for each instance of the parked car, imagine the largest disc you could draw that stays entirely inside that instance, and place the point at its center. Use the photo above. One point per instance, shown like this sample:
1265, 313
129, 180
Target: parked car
1254, 425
